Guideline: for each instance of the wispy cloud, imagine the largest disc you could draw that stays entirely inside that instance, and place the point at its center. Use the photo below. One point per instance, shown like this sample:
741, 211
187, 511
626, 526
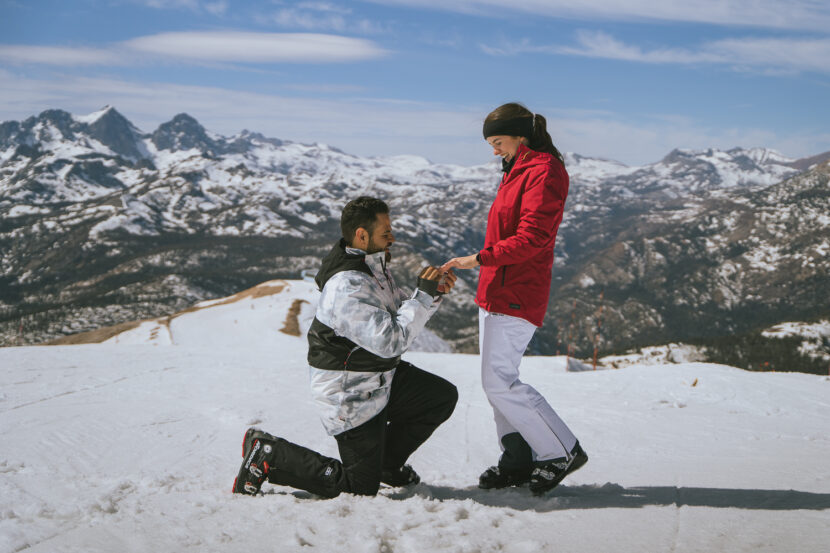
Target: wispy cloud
206, 47
216, 7
320, 16
782, 54
231, 46
761, 54
792, 14
603, 45
18, 54
301, 19
324, 7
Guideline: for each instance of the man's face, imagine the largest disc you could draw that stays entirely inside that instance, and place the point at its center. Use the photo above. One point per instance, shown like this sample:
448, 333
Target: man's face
381, 237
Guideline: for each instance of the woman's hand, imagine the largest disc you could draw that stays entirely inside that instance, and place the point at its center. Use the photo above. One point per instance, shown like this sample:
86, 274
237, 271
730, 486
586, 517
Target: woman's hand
467, 262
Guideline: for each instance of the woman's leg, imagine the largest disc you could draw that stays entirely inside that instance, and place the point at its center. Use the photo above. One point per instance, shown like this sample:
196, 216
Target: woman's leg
517, 406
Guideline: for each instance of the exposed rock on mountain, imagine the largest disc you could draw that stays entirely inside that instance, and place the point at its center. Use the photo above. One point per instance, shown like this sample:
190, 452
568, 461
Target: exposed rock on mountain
101, 223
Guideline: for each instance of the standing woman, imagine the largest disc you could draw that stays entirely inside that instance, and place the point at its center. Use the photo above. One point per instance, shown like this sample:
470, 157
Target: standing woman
513, 292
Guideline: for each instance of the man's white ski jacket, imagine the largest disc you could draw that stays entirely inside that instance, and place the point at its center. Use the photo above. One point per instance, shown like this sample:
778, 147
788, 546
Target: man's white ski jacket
364, 322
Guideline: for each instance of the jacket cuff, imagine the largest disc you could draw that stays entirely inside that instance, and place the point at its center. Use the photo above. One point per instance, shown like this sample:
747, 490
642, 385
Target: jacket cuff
486, 257
423, 298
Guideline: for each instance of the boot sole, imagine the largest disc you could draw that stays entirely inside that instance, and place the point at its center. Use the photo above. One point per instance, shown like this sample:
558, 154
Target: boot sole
512, 483
242, 483
248, 440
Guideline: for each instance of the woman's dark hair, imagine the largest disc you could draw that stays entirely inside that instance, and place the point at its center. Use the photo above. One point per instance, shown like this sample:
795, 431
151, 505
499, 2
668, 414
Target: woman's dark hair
361, 212
539, 140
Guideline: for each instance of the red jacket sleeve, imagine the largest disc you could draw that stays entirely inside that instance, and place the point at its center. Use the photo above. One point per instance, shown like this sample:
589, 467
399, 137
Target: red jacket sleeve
543, 203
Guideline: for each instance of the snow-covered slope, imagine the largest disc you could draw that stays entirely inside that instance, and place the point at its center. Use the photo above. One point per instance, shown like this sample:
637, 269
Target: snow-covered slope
115, 447
270, 314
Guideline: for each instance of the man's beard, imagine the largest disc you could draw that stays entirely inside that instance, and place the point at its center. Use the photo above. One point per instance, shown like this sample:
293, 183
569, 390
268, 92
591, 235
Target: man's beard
373, 248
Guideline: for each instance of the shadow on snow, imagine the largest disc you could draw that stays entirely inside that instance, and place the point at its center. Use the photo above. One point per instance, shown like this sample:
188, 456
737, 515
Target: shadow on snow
615, 496
610, 496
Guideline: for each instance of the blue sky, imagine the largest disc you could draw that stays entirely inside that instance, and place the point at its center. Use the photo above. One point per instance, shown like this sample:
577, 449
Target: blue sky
622, 79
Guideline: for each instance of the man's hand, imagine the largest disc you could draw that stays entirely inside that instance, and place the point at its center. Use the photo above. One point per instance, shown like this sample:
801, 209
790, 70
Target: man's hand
428, 280
447, 282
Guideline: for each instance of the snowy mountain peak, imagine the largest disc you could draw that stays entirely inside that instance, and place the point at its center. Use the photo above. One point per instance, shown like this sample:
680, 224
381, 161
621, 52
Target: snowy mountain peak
572, 158
592, 171
117, 133
183, 132
94, 116
259, 137
762, 155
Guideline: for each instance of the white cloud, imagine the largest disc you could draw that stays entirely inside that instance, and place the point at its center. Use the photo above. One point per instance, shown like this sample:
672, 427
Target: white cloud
207, 47
323, 7
237, 46
777, 53
320, 16
792, 14
296, 18
764, 54
602, 45
193, 5
217, 8
56, 55
376, 127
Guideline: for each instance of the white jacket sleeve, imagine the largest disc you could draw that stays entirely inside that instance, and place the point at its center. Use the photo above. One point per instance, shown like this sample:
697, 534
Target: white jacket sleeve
402, 296
351, 306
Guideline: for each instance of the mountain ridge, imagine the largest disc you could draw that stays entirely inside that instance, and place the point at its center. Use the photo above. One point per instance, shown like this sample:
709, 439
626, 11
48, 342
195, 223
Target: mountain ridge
98, 232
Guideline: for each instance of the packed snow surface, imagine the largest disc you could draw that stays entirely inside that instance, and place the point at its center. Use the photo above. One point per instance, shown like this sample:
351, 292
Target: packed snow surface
133, 446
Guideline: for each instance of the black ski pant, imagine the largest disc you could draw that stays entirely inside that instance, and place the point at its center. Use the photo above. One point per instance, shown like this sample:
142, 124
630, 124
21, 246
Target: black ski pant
419, 402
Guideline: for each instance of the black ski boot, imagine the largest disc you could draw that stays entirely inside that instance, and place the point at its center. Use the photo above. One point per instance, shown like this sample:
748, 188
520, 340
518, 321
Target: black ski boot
404, 476
496, 477
515, 464
256, 448
548, 474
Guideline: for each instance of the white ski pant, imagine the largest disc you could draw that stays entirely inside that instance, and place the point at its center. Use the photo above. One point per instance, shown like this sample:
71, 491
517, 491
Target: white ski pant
517, 407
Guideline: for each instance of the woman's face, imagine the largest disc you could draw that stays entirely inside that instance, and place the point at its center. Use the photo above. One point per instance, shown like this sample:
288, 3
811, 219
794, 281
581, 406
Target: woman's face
504, 146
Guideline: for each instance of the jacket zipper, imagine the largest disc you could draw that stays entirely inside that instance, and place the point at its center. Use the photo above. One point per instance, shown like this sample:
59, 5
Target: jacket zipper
346, 362
504, 178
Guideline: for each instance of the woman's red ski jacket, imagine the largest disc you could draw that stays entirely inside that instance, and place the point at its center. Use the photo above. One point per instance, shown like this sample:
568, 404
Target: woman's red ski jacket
517, 257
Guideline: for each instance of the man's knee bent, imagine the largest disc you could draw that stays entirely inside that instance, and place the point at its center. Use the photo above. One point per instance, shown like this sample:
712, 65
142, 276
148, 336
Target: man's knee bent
450, 399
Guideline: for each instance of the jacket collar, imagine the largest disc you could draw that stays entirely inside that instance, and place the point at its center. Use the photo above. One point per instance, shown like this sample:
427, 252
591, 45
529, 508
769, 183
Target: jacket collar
341, 258
375, 261
525, 156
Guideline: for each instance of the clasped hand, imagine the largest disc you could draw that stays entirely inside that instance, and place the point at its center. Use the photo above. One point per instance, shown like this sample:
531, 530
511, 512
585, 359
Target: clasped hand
430, 279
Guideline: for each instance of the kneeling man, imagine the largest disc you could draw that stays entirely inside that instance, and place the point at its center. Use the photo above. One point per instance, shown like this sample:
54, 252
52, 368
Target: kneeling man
379, 409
